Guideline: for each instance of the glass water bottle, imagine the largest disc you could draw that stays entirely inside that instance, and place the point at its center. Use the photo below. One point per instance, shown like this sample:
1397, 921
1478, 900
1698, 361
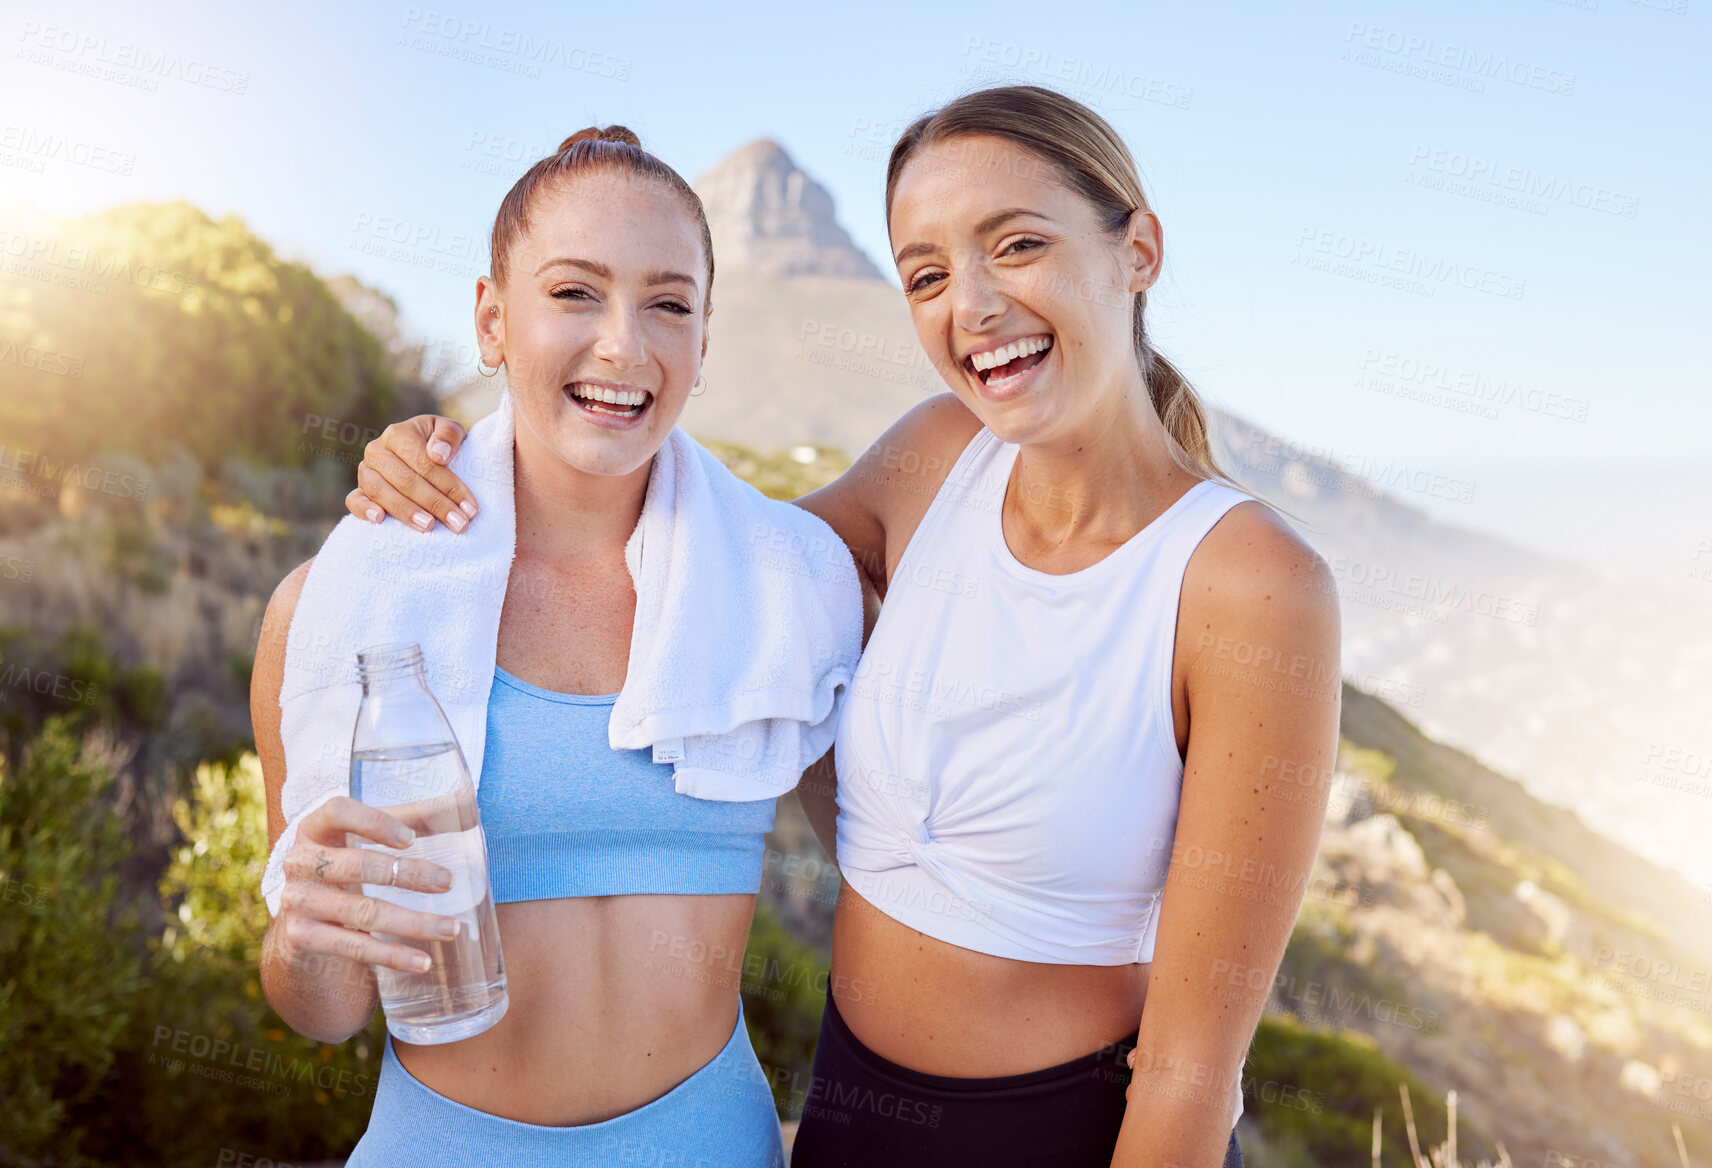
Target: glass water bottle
405, 760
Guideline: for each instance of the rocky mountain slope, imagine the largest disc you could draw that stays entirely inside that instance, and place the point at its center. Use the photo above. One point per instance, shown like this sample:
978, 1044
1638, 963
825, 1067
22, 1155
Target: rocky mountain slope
1560, 984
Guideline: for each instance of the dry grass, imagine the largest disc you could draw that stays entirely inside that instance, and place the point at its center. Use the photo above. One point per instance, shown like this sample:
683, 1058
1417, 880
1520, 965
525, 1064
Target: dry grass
1444, 1155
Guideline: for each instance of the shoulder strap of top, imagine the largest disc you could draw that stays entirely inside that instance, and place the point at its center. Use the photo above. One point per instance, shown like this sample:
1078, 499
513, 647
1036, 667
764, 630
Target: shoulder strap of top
1212, 499
1203, 506
962, 483
1199, 511
965, 472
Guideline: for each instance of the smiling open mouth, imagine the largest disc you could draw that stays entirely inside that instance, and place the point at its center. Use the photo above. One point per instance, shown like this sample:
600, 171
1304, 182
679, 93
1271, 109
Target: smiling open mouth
613, 403
1008, 362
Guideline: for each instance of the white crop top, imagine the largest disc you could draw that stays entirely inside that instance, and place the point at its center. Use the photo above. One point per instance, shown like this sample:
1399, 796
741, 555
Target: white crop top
1008, 775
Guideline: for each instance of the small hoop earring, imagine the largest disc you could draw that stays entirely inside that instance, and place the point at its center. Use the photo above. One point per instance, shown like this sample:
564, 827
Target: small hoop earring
701, 380
481, 367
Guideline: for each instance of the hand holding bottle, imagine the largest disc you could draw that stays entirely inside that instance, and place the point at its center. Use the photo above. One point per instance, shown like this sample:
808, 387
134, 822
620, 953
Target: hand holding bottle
323, 910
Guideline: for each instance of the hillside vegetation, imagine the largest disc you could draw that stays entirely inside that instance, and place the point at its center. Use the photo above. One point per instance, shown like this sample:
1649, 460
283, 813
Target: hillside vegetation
1457, 935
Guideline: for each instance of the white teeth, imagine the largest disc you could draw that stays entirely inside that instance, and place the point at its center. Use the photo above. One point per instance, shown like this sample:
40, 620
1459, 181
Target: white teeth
1008, 353
629, 398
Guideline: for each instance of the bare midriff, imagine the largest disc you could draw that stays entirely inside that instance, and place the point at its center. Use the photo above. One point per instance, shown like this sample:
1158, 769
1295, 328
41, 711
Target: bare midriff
614, 1000
944, 1010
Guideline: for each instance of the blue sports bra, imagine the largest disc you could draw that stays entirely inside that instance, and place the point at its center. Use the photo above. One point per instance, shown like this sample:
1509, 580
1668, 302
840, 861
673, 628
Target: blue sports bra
565, 814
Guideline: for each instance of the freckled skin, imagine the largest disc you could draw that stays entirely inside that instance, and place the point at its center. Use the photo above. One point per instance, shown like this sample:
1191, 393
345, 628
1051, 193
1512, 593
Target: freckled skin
991, 1006
959, 1012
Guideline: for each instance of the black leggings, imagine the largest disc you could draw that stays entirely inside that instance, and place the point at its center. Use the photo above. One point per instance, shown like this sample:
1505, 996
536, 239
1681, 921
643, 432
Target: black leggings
864, 1111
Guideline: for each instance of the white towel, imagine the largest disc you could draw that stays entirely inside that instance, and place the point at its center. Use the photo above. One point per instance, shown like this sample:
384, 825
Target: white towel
747, 632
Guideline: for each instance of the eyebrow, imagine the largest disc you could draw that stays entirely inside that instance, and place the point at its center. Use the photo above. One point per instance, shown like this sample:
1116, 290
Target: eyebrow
595, 268
995, 220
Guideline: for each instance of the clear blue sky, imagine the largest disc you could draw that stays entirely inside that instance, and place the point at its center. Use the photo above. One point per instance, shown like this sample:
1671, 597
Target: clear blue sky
1268, 135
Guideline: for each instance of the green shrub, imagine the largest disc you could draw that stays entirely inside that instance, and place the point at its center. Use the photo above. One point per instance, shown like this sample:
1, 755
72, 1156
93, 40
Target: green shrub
70, 966
1313, 1091
203, 340
211, 1063
131, 553
72, 678
126, 1050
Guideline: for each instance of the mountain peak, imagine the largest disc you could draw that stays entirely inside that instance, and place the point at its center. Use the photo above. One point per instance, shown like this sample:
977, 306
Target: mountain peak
767, 215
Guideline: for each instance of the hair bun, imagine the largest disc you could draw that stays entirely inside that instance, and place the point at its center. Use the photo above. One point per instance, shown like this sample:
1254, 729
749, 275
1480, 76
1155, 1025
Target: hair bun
595, 134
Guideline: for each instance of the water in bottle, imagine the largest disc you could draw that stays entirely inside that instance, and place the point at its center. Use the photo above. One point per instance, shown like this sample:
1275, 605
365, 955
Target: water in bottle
406, 761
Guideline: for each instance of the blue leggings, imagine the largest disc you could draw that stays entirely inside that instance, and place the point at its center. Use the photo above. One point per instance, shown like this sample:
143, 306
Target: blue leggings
722, 1116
